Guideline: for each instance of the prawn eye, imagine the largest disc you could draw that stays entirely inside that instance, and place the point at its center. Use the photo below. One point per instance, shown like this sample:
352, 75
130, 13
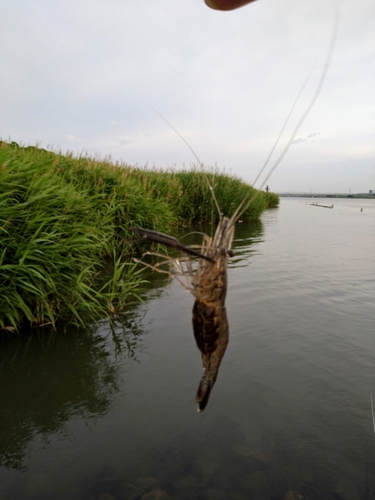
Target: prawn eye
230, 253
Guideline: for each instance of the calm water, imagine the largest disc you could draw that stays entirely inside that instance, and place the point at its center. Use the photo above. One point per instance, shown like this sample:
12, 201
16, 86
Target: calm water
109, 413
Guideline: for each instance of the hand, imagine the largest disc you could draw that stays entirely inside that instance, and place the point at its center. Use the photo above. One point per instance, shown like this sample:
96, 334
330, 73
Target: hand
226, 4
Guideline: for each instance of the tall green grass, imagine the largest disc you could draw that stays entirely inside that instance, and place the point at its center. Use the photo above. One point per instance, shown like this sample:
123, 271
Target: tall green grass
272, 199
189, 195
64, 218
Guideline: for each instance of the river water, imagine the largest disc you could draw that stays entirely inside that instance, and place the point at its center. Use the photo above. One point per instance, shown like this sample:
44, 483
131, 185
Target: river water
108, 412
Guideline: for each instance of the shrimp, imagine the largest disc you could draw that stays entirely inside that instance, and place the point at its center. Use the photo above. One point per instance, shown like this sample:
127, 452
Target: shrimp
210, 323
209, 287
209, 283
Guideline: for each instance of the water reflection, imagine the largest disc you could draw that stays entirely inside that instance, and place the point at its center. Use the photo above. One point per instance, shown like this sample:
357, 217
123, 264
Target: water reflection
246, 237
49, 377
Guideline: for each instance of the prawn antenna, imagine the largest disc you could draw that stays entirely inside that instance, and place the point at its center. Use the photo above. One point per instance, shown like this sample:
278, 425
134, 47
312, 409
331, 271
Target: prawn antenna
322, 78
194, 153
246, 203
283, 127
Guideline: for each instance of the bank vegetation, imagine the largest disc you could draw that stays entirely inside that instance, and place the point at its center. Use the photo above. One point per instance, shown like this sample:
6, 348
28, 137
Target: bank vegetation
65, 245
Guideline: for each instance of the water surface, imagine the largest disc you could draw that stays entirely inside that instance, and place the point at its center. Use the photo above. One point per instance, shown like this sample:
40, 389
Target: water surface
89, 414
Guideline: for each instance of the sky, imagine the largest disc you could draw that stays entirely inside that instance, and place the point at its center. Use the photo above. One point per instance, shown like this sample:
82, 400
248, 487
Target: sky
84, 75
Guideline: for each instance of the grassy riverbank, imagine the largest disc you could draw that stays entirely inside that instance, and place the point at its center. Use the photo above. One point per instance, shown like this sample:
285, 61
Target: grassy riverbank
64, 218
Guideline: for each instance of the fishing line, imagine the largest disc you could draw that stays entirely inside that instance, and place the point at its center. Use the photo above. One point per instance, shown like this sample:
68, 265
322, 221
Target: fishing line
194, 153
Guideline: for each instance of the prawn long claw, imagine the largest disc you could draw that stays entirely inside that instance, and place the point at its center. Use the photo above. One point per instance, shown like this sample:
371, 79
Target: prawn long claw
165, 239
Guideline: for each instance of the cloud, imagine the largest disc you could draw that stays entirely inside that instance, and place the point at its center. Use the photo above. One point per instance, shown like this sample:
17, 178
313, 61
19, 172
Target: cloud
72, 139
80, 75
124, 142
301, 139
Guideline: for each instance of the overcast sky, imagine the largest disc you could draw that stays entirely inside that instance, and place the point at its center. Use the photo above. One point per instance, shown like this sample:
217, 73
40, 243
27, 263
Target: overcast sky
80, 75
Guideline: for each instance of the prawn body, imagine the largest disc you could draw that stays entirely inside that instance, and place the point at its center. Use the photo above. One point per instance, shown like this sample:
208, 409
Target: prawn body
209, 287
210, 323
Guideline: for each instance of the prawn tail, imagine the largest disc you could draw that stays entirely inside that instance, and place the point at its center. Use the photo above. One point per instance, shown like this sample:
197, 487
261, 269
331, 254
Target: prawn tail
211, 335
204, 391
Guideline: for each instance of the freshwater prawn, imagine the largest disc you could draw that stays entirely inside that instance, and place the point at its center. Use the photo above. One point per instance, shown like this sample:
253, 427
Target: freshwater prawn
208, 284
209, 287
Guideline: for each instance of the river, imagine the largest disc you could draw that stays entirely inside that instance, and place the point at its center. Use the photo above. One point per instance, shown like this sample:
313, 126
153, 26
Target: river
108, 413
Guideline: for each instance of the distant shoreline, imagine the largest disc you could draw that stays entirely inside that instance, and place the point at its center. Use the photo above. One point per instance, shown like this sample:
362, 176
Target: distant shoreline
320, 195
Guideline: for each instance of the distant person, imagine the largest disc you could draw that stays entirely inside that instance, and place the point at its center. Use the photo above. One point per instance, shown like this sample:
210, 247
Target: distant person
226, 4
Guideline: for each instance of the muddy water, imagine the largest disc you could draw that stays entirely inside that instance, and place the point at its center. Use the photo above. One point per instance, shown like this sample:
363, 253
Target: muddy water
108, 412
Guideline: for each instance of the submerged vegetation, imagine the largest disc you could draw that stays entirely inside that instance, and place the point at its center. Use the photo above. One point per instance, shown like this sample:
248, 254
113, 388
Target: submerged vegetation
64, 239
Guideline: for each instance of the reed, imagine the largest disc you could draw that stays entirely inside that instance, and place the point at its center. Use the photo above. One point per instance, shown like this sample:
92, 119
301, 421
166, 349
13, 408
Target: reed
57, 228
189, 195
63, 229
272, 199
